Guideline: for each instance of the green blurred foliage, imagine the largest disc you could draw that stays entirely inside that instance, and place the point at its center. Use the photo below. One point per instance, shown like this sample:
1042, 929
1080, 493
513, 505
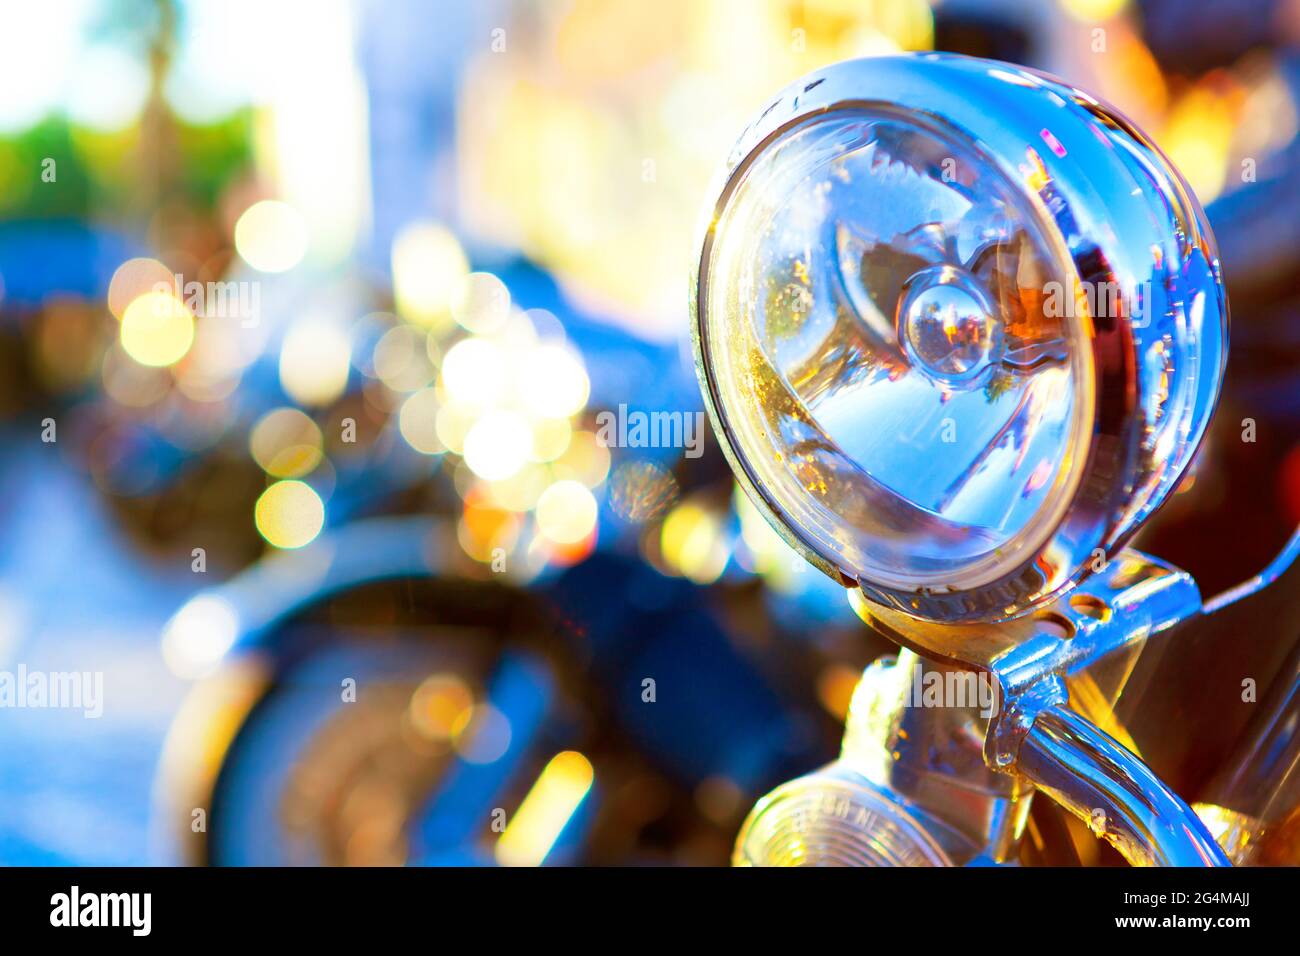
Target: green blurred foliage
105, 175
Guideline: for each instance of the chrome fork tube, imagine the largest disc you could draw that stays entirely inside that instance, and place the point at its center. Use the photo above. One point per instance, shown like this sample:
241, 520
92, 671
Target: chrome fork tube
1114, 792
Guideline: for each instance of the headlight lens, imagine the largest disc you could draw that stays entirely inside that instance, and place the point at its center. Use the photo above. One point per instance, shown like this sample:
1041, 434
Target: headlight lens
877, 328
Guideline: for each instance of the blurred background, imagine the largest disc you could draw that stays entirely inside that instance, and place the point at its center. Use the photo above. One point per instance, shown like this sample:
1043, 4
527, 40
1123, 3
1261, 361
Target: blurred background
309, 316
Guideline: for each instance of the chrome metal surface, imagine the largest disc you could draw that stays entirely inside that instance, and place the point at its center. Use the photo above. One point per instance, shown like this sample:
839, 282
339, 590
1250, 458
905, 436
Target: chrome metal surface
1103, 784
1075, 653
1134, 597
916, 729
964, 775
875, 337
879, 203
910, 786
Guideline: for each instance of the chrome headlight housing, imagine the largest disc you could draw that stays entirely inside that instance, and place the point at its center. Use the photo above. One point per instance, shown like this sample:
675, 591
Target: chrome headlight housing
960, 328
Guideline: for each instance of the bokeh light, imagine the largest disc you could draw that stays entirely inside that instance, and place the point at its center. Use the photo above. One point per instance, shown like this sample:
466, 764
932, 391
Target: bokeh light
763, 551
157, 329
1091, 11
439, 705
641, 491
498, 444
286, 443
271, 236
692, 543
474, 372
481, 303
289, 514
199, 635
566, 512
486, 528
315, 361
418, 422
521, 490
551, 437
1198, 135
428, 266
401, 359
554, 381
135, 278
451, 426
585, 460
560, 789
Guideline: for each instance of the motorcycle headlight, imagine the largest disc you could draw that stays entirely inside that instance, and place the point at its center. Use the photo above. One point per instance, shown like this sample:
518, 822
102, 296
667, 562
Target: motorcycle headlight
959, 326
